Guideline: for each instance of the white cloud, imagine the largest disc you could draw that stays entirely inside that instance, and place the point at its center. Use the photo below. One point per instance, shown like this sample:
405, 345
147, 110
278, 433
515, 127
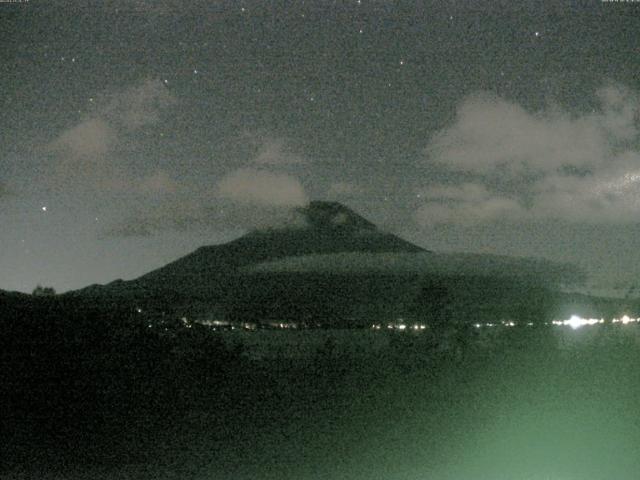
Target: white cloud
90, 139
87, 152
178, 213
492, 133
465, 204
602, 198
566, 167
262, 187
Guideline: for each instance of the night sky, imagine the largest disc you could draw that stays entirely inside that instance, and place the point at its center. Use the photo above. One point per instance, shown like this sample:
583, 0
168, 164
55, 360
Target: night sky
133, 132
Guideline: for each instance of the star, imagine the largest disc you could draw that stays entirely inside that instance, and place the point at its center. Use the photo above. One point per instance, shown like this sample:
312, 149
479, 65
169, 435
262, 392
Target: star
44, 208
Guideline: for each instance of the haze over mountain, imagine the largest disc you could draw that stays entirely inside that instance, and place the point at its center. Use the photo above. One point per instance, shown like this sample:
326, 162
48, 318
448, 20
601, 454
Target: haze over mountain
329, 237
319, 228
327, 263
209, 273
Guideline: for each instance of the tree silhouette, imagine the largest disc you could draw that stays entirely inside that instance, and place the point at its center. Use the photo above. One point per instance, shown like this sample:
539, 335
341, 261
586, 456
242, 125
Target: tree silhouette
41, 291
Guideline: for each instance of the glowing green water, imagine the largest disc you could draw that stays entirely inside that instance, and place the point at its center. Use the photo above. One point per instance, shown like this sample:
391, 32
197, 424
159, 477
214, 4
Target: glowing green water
536, 409
551, 405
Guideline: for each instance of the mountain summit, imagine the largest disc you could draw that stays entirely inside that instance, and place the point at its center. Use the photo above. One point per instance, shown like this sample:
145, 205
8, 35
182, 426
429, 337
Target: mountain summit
333, 215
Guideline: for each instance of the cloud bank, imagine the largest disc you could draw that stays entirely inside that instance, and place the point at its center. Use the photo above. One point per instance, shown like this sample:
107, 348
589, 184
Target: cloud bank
263, 188
468, 203
257, 196
524, 166
223, 216
94, 152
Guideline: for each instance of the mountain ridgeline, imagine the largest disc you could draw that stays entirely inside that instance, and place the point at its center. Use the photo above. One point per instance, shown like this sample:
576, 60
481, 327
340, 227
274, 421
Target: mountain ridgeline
332, 267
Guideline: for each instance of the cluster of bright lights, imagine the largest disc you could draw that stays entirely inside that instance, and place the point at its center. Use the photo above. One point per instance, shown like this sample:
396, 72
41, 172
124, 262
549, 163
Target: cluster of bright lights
576, 322
399, 326
625, 319
503, 323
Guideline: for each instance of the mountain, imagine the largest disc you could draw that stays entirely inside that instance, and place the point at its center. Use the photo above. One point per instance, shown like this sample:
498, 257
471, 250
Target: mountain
319, 228
326, 228
332, 266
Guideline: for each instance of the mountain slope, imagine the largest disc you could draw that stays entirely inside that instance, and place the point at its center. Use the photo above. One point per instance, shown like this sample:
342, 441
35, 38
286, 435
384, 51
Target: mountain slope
333, 267
321, 228
327, 228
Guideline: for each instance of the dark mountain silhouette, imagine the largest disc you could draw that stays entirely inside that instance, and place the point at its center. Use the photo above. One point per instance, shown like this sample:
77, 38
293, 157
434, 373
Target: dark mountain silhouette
331, 266
326, 227
209, 272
